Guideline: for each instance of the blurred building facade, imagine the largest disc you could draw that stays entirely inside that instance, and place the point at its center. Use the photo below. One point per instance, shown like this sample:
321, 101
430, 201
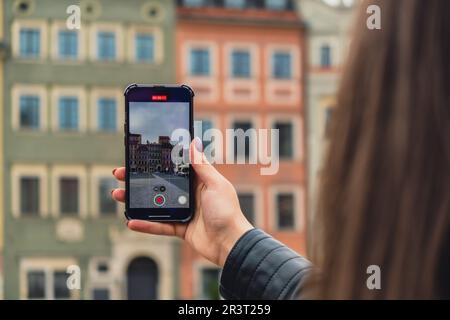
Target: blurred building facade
63, 128
328, 25
244, 60
2, 56
252, 64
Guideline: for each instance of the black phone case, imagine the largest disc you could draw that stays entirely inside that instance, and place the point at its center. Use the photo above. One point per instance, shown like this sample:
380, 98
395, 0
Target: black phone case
191, 172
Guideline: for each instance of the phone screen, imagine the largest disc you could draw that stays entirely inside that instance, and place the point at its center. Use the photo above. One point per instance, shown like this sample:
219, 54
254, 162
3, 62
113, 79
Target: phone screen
158, 178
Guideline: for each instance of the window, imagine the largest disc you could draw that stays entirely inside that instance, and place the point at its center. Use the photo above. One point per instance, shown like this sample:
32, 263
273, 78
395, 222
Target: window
60, 290
240, 64
23, 7
107, 204
47, 284
144, 43
243, 125
281, 65
106, 42
68, 44
68, 195
145, 47
194, 3
107, 114
285, 207
206, 125
152, 11
325, 56
29, 195
276, 4
235, 3
200, 62
100, 294
68, 113
99, 269
102, 267
247, 203
286, 147
29, 107
69, 185
29, 112
29, 38
36, 284
210, 283
29, 190
328, 118
30, 43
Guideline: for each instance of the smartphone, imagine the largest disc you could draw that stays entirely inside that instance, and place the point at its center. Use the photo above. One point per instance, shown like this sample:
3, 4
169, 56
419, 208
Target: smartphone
158, 130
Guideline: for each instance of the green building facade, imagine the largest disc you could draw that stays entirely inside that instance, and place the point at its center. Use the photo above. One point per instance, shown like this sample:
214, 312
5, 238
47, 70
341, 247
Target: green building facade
63, 135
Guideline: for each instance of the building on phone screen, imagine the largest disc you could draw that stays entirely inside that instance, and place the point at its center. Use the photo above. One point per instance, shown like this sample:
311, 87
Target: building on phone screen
150, 157
246, 62
63, 124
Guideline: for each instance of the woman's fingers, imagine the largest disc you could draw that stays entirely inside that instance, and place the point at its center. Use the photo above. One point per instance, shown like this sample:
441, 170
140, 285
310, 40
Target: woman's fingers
119, 173
118, 195
204, 170
157, 228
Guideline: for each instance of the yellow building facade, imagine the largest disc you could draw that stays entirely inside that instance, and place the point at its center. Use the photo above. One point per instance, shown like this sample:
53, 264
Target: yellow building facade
1, 148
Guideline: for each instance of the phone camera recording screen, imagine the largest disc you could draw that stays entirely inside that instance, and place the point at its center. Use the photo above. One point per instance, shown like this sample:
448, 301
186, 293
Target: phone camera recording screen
158, 179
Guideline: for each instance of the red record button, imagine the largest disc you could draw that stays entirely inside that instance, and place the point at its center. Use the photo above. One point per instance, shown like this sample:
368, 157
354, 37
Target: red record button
159, 200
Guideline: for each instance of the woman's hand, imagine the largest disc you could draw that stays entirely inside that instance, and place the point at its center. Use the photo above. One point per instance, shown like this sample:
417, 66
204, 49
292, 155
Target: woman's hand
218, 221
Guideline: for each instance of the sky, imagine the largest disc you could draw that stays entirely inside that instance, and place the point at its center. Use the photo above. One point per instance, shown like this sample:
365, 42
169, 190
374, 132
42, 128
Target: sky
154, 119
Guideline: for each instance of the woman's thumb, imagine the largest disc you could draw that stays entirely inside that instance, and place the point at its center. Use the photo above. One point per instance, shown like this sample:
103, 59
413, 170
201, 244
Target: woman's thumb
204, 170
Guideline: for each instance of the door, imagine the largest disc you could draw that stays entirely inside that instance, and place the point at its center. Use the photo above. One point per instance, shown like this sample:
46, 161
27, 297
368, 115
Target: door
142, 279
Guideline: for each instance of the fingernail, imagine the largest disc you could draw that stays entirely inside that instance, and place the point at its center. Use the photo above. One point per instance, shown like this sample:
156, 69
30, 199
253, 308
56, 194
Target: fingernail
114, 171
112, 191
198, 144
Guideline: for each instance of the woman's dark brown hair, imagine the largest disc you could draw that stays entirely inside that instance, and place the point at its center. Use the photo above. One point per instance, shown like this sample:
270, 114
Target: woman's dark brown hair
385, 196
